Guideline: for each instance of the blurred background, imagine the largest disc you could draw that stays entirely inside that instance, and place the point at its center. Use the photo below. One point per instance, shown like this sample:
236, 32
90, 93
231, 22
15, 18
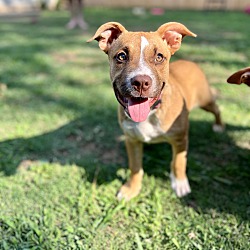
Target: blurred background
31, 7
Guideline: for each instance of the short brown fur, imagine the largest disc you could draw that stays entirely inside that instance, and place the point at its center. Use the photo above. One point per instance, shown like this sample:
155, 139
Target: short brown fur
181, 84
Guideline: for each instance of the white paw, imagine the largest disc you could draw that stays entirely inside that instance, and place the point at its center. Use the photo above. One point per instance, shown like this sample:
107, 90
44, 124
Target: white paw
181, 187
218, 128
120, 196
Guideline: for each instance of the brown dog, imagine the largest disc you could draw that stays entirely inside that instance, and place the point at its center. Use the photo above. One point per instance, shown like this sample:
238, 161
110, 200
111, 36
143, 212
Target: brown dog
241, 76
155, 97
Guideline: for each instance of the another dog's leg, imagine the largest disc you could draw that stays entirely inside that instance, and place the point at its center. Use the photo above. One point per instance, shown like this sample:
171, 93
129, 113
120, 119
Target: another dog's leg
213, 108
133, 186
179, 180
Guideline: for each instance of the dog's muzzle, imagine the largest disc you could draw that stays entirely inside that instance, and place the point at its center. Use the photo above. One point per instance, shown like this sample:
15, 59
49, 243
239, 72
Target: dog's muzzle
138, 108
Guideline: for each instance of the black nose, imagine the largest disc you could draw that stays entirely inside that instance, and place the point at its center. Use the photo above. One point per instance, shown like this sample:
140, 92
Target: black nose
142, 83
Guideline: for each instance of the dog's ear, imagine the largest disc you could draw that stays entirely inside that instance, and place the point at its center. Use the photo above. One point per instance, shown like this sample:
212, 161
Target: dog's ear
240, 76
106, 34
172, 33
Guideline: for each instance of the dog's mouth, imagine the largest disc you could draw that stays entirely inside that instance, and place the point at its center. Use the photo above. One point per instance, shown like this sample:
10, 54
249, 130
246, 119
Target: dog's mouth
137, 108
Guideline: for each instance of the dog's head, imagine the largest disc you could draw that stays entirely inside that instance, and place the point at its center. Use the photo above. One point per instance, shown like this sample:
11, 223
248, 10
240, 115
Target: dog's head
139, 63
241, 76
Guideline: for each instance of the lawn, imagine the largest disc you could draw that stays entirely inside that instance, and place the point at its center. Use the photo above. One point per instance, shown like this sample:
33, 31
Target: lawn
62, 156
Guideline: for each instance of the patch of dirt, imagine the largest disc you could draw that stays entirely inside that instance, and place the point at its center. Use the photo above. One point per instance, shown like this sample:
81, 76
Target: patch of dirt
112, 156
3, 88
65, 57
26, 165
105, 156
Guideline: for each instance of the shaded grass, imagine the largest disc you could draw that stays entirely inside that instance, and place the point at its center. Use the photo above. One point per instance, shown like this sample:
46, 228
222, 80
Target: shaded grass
62, 158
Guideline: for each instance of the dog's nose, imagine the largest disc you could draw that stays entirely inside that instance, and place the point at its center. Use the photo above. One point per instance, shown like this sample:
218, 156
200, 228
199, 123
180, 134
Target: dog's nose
245, 77
141, 83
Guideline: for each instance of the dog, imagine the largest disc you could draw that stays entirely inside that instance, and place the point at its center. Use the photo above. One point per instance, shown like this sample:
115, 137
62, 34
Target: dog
241, 76
155, 96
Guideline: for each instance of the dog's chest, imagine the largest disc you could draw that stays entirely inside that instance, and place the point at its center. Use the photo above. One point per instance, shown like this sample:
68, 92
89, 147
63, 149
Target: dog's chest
148, 131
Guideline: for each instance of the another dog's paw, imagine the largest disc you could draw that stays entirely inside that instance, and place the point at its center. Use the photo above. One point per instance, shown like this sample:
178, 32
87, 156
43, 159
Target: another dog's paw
127, 192
181, 187
218, 128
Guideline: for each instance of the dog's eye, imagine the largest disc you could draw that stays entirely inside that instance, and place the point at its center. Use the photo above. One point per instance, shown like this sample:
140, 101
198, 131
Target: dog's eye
121, 57
159, 58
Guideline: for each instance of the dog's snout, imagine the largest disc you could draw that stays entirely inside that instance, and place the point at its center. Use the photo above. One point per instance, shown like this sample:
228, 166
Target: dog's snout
141, 83
245, 77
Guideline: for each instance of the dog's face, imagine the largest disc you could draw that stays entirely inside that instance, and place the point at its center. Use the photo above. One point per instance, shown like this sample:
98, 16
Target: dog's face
139, 63
138, 70
241, 76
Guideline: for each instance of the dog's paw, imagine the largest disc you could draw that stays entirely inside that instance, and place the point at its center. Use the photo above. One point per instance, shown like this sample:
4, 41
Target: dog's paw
181, 187
218, 128
127, 192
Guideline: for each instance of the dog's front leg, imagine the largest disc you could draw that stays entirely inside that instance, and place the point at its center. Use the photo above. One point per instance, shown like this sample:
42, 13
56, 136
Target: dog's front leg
179, 180
133, 186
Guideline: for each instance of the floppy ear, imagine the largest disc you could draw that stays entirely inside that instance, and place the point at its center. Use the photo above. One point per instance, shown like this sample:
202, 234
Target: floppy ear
240, 76
106, 34
172, 33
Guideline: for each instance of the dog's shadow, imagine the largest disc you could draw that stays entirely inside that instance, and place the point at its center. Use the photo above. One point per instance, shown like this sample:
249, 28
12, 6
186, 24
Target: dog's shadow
218, 169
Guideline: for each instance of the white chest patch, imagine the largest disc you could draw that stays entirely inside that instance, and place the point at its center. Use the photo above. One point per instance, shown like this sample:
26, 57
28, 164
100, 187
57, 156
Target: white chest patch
148, 131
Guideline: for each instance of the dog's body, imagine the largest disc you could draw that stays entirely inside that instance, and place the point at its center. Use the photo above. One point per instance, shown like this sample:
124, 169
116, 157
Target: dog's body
155, 96
241, 76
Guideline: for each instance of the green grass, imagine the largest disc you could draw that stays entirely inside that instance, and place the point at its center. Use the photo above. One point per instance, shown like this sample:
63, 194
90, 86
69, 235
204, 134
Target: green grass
62, 158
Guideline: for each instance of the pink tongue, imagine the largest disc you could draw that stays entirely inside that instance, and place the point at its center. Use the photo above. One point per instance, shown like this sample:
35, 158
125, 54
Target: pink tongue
138, 108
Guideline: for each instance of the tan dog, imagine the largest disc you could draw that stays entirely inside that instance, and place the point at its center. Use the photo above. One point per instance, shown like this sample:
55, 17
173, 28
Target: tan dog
241, 76
155, 97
